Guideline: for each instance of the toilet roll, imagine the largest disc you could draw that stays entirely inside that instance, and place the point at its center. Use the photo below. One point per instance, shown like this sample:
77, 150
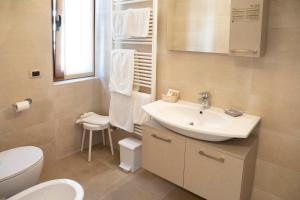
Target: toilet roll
22, 105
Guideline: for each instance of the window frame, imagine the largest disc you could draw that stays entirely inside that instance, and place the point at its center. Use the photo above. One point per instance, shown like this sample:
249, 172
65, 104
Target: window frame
56, 77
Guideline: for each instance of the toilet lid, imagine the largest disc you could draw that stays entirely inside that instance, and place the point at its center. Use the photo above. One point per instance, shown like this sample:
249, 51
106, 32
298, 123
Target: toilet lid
16, 161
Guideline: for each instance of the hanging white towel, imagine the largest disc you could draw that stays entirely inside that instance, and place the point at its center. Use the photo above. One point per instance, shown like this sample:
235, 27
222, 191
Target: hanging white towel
121, 111
139, 20
122, 71
140, 99
125, 111
121, 25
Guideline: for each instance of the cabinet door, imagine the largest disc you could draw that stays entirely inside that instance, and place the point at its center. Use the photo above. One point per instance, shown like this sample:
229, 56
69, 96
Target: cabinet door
246, 28
211, 174
163, 154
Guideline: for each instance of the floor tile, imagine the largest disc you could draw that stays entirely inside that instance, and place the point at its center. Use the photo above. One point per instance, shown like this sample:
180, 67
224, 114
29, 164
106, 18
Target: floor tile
103, 180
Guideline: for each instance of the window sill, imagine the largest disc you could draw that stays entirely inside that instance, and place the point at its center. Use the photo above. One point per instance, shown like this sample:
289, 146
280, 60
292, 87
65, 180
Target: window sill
74, 80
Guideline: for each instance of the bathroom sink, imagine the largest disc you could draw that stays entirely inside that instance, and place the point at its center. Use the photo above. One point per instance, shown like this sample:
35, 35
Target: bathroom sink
211, 124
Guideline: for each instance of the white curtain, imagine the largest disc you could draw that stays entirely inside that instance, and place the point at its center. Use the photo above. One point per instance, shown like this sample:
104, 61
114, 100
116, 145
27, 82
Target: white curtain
103, 45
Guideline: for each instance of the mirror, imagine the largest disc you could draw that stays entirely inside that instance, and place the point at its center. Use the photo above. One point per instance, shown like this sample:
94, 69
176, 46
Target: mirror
199, 25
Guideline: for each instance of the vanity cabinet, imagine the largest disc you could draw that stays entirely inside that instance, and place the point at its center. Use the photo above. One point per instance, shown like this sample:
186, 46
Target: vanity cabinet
215, 171
211, 174
163, 154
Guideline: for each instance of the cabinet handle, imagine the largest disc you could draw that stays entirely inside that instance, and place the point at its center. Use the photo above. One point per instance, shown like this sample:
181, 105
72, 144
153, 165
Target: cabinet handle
202, 153
243, 51
160, 138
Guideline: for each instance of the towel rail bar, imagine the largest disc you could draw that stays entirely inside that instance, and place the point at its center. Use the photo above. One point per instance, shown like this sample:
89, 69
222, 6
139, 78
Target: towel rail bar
141, 81
133, 43
143, 60
140, 76
143, 73
144, 65
143, 68
143, 85
142, 53
140, 62
130, 2
134, 40
139, 127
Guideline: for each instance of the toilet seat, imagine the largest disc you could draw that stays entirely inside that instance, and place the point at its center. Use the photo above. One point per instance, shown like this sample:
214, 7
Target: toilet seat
16, 161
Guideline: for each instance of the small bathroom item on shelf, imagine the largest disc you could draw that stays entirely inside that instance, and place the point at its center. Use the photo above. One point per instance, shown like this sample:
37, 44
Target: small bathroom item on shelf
171, 96
233, 112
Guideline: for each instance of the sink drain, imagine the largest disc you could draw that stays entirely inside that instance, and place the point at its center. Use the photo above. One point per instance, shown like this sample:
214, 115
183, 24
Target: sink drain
191, 123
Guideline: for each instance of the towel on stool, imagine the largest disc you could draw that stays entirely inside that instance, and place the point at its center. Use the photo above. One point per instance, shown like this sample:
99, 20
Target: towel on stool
94, 119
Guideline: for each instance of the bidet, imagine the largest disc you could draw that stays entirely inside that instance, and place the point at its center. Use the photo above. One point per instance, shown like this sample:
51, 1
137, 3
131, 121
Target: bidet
60, 189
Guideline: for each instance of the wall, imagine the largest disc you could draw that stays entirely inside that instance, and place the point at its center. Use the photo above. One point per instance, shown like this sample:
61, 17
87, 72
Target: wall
25, 44
267, 86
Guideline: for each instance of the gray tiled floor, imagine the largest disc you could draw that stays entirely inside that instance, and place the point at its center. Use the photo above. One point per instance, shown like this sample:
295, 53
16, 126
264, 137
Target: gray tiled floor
103, 180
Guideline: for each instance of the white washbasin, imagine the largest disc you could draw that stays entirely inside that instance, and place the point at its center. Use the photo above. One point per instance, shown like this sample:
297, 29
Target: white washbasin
212, 125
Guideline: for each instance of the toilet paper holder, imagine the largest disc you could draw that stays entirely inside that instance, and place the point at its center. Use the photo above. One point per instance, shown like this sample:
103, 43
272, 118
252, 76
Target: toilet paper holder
27, 99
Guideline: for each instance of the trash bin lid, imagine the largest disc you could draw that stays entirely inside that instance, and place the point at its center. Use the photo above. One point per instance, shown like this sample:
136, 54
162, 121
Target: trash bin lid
130, 143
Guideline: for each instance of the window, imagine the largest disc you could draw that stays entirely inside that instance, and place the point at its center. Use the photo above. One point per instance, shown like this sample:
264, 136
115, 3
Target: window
73, 38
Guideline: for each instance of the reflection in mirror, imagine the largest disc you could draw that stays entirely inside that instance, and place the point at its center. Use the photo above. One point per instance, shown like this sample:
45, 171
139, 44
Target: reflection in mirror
199, 25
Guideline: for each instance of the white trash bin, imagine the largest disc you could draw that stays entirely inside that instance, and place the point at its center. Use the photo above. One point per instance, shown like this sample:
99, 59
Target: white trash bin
130, 154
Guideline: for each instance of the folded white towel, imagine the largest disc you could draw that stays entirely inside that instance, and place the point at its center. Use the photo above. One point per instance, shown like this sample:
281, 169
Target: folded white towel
94, 119
121, 111
139, 20
121, 25
140, 99
122, 71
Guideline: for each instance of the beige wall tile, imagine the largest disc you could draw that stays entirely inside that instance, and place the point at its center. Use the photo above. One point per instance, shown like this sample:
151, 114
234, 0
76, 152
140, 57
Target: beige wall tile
267, 86
258, 194
49, 154
67, 136
280, 149
25, 44
277, 180
284, 13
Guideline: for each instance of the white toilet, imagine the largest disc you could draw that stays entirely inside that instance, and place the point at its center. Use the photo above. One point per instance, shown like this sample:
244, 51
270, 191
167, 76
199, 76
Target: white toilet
20, 168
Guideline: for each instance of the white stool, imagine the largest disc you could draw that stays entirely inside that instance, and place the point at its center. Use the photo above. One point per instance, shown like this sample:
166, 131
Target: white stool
91, 128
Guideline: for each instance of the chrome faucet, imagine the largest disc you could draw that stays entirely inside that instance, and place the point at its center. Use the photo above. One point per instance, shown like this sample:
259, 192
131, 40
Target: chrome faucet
204, 99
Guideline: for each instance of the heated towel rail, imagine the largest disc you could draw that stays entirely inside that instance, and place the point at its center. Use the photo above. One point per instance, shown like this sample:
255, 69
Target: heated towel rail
146, 49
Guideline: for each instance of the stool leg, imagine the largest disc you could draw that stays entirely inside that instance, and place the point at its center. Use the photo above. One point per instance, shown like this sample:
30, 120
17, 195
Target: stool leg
110, 141
103, 138
82, 140
90, 146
